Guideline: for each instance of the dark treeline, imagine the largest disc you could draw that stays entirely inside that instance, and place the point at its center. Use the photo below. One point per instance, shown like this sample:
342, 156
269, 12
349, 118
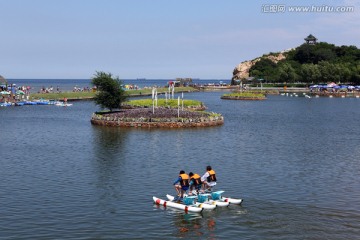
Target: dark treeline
317, 63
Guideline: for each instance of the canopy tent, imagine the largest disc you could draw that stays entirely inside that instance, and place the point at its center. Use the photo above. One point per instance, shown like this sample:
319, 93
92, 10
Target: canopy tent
331, 85
322, 86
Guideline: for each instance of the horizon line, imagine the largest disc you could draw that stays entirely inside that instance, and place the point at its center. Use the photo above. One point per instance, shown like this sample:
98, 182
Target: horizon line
168, 79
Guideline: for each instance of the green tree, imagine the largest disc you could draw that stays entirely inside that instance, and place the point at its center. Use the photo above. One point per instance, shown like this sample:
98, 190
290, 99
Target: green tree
264, 68
310, 73
256, 73
347, 54
355, 74
303, 54
330, 72
306, 53
287, 73
110, 93
323, 54
345, 72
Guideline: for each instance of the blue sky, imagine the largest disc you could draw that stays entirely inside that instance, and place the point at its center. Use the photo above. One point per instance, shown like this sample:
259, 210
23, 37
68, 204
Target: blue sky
157, 38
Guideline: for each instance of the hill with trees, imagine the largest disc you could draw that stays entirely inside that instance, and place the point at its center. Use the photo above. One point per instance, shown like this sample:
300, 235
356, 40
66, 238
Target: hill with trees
309, 63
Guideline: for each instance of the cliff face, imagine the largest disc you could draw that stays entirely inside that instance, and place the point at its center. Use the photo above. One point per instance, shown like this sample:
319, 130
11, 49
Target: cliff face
241, 71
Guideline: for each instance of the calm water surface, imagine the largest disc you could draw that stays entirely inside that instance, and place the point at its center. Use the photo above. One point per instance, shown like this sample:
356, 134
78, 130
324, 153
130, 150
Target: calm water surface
294, 161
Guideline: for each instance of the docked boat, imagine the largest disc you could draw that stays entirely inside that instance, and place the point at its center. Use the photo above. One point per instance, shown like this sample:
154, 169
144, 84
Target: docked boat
42, 102
186, 208
19, 103
62, 104
5, 104
29, 103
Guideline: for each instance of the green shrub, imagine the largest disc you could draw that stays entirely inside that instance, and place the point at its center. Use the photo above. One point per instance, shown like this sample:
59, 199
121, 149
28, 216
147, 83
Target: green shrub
245, 95
171, 103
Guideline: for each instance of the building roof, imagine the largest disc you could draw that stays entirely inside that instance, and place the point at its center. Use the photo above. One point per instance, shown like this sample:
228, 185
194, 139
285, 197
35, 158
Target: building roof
310, 38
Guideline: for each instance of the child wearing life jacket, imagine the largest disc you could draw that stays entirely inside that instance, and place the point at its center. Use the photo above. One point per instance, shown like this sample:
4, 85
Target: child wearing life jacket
181, 184
195, 182
208, 179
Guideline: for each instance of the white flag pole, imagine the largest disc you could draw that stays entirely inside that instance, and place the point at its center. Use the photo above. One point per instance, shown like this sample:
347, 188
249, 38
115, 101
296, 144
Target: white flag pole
182, 101
156, 98
153, 95
169, 90
173, 90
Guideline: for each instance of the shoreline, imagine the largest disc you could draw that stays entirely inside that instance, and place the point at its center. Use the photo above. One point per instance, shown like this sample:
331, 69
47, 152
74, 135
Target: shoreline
86, 96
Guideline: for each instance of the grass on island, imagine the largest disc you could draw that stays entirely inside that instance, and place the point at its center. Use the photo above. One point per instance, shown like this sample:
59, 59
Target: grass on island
62, 95
172, 103
89, 95
245, 95
148, 91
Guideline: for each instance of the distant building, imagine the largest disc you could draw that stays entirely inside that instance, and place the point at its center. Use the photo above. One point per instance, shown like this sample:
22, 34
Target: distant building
183, 81
311, 40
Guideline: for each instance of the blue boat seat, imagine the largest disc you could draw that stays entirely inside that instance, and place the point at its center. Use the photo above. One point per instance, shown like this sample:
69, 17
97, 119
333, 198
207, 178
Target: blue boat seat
189, 200
216, 195
203, 198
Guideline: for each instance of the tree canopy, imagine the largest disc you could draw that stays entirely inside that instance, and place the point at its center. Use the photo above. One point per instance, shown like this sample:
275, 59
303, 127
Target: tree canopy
312, 63
110, 93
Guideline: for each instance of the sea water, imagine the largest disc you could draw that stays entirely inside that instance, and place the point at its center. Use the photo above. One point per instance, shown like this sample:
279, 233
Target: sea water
294, 161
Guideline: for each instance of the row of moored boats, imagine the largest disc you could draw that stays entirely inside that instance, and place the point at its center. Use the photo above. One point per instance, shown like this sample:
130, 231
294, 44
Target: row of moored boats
36, 102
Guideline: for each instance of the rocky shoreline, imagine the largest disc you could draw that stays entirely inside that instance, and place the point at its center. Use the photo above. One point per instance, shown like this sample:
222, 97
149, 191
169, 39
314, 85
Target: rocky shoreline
243, 98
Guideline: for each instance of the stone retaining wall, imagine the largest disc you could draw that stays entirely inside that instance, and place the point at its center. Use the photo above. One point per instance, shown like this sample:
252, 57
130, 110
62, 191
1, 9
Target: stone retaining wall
98, 119
242, 98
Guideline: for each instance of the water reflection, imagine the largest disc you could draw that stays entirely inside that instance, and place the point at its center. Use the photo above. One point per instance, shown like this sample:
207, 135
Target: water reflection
107, 164
108, 138
194, 225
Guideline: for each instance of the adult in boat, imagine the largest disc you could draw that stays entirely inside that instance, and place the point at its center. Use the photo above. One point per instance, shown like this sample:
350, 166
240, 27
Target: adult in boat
181, 184
209, 178
195, 182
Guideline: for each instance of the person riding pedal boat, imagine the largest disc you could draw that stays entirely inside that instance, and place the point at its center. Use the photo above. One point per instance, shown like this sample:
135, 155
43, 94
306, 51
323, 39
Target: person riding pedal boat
208, 179
181, 185
195, 183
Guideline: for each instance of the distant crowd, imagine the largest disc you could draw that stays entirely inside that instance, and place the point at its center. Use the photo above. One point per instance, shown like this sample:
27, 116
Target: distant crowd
11, 93
58, 90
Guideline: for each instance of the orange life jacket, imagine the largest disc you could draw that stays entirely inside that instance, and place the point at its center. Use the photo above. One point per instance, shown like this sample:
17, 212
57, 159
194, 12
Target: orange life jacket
184, 180
196, 178
211, 177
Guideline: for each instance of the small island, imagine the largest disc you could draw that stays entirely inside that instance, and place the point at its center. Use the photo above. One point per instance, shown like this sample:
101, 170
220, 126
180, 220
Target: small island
243, 96
147, 113
166, 114
160, 118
